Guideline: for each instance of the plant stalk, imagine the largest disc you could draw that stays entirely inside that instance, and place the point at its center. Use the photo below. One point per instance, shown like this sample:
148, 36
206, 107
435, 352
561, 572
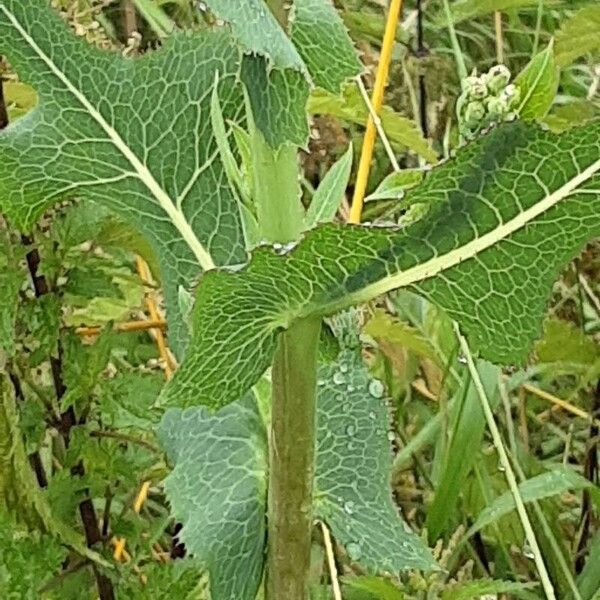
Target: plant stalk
292, 458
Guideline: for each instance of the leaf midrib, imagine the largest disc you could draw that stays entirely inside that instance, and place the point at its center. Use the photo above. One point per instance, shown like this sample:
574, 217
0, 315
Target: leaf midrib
439, 264
141, 170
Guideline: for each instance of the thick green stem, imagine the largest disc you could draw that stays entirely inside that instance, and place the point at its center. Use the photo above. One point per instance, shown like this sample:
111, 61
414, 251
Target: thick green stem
292, 435
292, 457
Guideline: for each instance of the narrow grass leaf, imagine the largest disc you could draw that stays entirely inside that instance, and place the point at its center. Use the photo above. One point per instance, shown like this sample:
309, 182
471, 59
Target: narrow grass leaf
546, 485
330, 193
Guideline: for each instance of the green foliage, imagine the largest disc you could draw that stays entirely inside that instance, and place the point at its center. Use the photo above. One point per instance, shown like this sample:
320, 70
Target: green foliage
328, 196
480, 587
352, 485
349, 106
538, 84
578, 35
474, 274
467, 429
548, 484
217, 489
27, 561
152, 160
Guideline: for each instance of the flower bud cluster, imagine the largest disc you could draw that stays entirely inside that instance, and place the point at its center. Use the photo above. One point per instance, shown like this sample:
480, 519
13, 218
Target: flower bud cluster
486, 100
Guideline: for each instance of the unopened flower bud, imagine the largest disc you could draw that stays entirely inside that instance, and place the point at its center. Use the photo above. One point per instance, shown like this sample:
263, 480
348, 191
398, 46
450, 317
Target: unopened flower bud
511, 95
497, 107
474, 113
497, 78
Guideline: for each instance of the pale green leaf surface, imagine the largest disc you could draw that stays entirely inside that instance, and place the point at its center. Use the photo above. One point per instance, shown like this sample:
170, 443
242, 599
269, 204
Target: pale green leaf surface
217, 489
479, 588
330, 193
373, 588
578, 35
258, 31
351, 107
322, 41
464, 10
218, 486
278, 71
538, 84
133, 135
352, 485
394, 186
546, 485
504, 216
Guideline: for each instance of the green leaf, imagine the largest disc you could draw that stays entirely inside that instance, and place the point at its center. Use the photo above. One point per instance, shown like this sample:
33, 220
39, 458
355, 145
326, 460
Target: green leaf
134, 135
387, 329
324, 44
330, 193
275, 73
12, 279
481, 587
588, 581
374, 587
578, 35
468, 427
28, 560
351, 107
156, 17
551, 483
394, 186
465, 10
538, 84
503, 218
563, 342
352, 484
20, 494
218, 491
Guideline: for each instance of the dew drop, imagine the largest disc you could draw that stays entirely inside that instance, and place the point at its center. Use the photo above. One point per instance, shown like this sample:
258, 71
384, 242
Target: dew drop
349, 507
376, 388
344, 368
350, 388
350, 430
354, 550
320, 382
390, 436
528, 552
462, 360
339, 378
372, 416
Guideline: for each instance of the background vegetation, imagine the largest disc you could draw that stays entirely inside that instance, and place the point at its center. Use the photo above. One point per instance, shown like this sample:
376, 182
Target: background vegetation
78, 443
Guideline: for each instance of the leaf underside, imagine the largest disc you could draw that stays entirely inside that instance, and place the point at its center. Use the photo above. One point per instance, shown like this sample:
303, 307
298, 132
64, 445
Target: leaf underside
502, 219
352, 482
217, 488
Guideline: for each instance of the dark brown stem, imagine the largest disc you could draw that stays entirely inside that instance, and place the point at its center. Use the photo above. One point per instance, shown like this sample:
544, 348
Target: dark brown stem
422, 53
68, 419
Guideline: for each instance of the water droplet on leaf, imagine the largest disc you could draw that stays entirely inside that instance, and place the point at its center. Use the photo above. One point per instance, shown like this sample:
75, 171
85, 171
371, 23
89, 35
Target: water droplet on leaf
376, 388
339, 378
354, 550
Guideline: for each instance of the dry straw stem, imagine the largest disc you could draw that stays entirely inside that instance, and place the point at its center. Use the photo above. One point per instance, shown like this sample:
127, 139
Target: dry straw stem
129, 326
333, 574
383, 68
508, 470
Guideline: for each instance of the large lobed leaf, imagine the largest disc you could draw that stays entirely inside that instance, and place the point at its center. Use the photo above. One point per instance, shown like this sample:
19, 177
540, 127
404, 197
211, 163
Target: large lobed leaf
218, 485
133, 135
502, 218
278, 70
